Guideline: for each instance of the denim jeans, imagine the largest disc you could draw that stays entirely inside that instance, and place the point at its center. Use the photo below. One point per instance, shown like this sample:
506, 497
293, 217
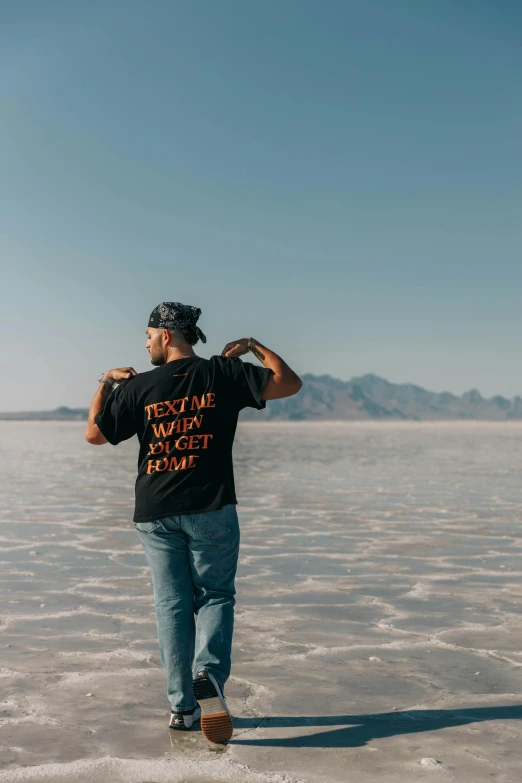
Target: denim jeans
193, 560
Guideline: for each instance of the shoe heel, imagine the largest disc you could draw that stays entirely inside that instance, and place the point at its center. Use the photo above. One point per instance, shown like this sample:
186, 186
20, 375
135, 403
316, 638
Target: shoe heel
216, 723
217, 728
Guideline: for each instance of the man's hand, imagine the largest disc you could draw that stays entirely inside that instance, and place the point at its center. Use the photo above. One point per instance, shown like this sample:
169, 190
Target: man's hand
235, 348
120, 374
282, 382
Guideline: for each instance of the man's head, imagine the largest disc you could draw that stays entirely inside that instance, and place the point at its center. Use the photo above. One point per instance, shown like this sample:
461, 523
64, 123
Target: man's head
172, 325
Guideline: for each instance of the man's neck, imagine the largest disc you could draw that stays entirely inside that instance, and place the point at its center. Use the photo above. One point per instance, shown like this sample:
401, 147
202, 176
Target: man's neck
179, 353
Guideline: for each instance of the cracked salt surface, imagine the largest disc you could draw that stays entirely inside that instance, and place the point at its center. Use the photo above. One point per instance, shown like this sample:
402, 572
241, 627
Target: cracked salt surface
379, 617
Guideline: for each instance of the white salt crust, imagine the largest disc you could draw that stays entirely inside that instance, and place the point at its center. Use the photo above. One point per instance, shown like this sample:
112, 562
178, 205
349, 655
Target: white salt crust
116, 770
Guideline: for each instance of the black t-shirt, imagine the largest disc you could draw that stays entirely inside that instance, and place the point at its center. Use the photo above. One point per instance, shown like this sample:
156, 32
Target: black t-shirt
185, 416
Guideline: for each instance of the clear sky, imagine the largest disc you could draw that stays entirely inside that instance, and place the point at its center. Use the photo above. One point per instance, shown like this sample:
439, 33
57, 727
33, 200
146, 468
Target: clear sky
339, 179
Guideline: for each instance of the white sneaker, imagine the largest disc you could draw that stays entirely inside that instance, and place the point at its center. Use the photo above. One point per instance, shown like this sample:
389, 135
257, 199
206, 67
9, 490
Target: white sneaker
184, 720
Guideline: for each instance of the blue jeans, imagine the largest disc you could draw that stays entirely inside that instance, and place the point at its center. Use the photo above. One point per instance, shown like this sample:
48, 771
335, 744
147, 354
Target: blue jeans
193, 560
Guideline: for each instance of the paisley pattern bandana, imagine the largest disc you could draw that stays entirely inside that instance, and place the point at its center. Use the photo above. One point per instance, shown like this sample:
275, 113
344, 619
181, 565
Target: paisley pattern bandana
174, 315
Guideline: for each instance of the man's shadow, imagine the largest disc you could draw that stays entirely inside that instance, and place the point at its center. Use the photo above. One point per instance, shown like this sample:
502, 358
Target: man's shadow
357, 730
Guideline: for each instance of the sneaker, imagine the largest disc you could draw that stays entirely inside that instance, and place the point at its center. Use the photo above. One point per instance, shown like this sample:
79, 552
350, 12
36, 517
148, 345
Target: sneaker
184, 720
216, 723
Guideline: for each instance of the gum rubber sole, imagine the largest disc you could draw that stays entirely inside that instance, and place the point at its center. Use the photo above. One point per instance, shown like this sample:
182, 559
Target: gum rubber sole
217, 728
216, 723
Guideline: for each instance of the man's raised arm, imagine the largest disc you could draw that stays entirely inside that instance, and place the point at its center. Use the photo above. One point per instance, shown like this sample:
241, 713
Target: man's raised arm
93, 434
283, 381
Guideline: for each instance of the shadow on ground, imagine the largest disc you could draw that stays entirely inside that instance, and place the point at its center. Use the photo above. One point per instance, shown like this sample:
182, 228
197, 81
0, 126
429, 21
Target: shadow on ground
360, 729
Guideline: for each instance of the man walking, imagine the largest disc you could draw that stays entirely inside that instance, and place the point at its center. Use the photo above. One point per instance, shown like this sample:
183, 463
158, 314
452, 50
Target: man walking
185, 413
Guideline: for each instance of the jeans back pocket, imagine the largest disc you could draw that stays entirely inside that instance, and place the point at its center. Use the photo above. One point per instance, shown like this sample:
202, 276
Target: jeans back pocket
148, 527
215, 525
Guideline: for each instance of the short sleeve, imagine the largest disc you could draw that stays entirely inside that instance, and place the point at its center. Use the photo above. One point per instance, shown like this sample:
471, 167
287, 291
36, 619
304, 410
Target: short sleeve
116, 421
246, 382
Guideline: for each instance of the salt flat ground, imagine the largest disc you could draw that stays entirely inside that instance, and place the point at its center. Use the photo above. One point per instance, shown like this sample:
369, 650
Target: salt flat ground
379, 617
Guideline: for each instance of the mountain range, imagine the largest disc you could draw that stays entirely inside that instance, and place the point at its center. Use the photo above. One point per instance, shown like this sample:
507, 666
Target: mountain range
371, 397
367, 397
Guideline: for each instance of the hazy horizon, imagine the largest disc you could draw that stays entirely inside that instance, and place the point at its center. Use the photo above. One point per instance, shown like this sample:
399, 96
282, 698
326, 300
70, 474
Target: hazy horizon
344, 380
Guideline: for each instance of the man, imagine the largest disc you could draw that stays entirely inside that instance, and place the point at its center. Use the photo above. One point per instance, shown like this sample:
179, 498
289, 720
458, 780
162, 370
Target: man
184, 413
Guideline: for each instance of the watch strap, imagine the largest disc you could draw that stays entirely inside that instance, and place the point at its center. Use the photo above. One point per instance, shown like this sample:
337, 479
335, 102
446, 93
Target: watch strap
109, 384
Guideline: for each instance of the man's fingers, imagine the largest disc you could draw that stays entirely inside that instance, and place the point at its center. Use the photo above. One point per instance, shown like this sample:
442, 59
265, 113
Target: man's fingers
232, 349
121, 374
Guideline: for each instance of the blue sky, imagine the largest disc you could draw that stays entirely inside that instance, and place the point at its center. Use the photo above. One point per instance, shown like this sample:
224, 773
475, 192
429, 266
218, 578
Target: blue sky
342, 180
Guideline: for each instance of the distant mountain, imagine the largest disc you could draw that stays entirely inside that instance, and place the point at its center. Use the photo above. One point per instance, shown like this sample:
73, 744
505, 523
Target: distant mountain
367, 397
58, 414
371, 397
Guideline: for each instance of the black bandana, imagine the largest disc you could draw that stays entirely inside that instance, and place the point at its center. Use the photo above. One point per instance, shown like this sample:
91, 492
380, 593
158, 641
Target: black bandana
174, 315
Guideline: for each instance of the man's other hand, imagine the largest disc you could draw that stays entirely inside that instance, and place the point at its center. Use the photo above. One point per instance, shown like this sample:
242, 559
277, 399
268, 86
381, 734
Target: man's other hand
120, 374
235, 348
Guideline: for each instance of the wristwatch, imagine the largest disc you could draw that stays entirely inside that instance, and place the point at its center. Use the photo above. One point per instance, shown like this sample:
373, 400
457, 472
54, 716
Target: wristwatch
109, 384
250, 341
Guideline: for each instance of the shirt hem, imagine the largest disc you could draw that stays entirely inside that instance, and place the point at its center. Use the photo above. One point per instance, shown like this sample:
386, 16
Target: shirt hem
109, 439
261, 402
177, 512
